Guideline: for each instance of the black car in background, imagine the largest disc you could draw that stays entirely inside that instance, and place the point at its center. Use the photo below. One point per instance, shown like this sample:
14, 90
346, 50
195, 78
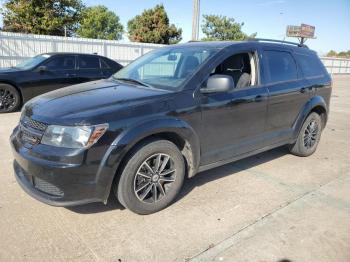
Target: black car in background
47, 72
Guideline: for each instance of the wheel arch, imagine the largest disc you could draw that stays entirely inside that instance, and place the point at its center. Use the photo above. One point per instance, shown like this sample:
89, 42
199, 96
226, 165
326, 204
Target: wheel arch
315, 104
175, 130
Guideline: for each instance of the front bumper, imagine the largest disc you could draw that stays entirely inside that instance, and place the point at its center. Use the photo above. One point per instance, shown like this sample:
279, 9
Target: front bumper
46, 192
62, 177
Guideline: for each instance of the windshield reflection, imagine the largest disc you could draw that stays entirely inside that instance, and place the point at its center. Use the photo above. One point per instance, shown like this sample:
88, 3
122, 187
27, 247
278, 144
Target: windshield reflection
166, 68
32, 62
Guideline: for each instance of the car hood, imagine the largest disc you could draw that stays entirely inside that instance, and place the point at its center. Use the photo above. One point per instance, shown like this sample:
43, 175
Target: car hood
89, 102
9, 70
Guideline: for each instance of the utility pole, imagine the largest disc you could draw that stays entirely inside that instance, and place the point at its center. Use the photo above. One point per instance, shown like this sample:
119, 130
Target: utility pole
195, 20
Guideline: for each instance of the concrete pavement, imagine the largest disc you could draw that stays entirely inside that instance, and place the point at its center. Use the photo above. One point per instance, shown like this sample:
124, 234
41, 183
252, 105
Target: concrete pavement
269, 207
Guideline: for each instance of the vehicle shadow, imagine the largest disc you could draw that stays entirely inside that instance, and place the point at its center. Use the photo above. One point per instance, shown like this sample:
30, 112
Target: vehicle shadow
191, 183
230, 169
112, 204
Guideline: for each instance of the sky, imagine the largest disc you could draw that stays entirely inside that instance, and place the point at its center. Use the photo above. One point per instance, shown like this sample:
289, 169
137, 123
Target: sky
268, 18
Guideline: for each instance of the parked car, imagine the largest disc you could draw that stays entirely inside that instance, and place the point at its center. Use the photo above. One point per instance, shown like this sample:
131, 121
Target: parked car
172, 113
48, 72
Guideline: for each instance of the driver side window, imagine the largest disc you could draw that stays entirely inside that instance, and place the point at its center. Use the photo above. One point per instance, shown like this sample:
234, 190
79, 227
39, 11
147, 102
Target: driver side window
241, 67
61, 63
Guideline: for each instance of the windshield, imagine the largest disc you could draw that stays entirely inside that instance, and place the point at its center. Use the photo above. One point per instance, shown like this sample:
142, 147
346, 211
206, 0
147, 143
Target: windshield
32, 62
166, 68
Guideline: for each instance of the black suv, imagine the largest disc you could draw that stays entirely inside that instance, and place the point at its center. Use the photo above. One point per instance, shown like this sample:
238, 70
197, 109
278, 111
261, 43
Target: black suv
172, 113
48, 72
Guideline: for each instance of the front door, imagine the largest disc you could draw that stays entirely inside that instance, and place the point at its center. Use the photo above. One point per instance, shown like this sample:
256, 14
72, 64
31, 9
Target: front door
233, 122
59, 72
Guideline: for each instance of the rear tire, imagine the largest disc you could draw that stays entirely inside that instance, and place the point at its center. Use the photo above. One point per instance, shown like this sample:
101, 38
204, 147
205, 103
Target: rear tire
309, 136
151, 178
10, 99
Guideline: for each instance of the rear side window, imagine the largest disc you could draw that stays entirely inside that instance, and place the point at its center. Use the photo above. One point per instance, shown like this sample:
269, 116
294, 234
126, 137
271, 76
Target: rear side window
281, 66
89, 62
310, 65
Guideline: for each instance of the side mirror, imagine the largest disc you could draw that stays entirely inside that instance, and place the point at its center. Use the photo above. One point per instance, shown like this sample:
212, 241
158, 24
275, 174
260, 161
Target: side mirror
218, 83
41, 69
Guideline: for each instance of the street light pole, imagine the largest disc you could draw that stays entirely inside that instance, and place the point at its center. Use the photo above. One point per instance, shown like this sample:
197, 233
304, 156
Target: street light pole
195, 20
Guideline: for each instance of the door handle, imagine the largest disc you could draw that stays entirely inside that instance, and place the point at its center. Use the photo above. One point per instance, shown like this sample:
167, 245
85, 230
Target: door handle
71, 75
259, 98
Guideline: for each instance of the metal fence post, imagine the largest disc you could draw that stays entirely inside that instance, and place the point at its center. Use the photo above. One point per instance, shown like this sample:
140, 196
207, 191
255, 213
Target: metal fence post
104, 49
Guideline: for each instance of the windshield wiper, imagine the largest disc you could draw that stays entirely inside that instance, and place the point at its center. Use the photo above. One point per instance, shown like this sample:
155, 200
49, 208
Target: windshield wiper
134, 81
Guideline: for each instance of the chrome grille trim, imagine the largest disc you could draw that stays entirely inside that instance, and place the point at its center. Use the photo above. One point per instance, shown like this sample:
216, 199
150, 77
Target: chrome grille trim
31, 123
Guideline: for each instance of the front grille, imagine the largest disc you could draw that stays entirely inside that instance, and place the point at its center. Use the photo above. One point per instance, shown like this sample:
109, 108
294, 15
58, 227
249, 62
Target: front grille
31, 131
47, 187
28, 122
29, 138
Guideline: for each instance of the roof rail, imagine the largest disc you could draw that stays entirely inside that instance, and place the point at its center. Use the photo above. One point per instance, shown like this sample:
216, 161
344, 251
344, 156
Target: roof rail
277, 41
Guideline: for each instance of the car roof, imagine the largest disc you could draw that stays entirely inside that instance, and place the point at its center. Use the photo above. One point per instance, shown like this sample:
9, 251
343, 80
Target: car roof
68, 53
217, 44
255, 43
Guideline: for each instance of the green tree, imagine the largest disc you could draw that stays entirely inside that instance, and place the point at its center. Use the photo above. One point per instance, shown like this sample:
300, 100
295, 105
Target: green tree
153, 26
331, 53
100, 23
342, 54
221, 28
47, 17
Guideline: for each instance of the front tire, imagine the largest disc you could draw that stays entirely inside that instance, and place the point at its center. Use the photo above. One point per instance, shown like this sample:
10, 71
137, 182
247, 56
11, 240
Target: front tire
10, 99
309, 136
151, 178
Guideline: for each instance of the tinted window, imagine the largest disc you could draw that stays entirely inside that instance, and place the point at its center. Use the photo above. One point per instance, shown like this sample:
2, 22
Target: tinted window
281, 66
61, 62
89, 62
310, 65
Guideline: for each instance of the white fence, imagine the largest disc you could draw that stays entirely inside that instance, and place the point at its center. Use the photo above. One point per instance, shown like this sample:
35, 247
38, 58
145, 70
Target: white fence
336, 65
16, 47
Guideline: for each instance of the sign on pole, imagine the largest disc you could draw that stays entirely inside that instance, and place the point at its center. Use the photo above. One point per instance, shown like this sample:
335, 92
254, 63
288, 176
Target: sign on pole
307, 31
303, 32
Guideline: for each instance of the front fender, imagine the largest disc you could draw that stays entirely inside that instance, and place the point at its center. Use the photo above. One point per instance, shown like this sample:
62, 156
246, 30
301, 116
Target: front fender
316, 101
134, 134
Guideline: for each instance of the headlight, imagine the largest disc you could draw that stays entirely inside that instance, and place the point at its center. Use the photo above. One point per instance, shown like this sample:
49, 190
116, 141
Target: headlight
73, 136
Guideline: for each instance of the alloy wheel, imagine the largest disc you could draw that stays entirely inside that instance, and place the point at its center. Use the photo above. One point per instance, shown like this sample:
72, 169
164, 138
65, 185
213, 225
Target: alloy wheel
310, 134
154, 178
7, 100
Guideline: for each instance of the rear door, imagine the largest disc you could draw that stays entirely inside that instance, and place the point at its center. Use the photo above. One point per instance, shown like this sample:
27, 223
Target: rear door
288, 92
89, 68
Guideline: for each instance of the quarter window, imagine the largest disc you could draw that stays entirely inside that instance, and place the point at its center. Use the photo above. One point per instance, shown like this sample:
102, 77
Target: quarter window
281, 66
89, 62
311, 66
